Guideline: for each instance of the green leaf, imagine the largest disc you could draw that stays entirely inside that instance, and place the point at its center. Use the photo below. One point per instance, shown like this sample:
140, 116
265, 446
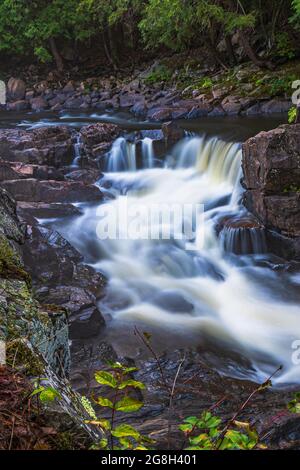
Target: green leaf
186, 428
49, 394
132, 383
105, 402
37, 391
128, 405
192, 420
103, 443
125, 430
106, 378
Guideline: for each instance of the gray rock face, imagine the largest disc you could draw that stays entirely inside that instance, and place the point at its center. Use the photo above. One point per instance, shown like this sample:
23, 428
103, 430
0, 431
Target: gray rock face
271, 164
21, 317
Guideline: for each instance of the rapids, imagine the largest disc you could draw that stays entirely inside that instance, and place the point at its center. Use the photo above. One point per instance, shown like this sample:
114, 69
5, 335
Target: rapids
231, 298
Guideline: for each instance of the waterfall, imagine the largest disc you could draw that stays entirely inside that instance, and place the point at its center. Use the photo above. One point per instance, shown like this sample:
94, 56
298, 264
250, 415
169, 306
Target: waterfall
77, 152
147, 152
237, 303
123, 155
243, 241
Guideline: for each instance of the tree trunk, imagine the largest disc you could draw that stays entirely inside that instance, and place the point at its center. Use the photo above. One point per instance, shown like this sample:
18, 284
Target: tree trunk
57, 57
230, 50
245, 43
107, 52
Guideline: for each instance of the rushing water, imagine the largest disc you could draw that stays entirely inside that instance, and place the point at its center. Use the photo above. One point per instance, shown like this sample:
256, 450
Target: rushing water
226, 292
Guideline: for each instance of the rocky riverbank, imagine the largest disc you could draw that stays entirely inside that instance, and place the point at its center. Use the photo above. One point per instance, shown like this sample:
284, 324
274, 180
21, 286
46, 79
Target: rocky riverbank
163, 91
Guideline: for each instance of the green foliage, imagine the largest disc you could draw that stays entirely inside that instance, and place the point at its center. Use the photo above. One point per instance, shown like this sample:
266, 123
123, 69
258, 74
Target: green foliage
206, 433
284, 46
294, 405
122, 436
45, 394
159, 74
292, 115
29, 27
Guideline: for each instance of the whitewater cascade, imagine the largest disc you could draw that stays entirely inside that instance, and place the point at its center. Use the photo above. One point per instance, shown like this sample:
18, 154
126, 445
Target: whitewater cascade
233, 300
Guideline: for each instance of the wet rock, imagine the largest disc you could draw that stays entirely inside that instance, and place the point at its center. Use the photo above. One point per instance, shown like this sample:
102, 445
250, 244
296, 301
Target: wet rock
73, 102
278, 212
217, 111
276, 106
41, 172
232, 105
31, 190
130, 99
16, 89
172, 131
98, 138
51, 146
161, 114
10, 226
271, 164
271, 160
7, 172
86, 176
140, 108
254, 110
20, 105
69, 87
173, 301
88, 323
60, 264
43, 210
38, 104
286, 434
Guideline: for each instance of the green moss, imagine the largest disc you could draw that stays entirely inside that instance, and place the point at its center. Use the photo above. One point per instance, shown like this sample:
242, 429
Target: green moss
20, 356
292, 189
10, 263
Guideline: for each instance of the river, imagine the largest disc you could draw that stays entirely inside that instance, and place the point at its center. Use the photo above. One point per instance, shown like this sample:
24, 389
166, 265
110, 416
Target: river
229, 296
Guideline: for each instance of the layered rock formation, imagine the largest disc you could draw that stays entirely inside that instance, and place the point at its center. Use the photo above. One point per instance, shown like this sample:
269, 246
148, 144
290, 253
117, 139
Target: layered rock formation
271, 164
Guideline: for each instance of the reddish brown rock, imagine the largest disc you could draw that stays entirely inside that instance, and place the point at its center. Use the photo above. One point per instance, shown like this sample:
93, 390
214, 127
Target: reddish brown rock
98, 138
271, 164
32, 190
271, 160
44, 146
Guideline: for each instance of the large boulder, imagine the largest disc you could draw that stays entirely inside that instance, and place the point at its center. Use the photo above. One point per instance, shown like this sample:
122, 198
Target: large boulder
44, 146
271, 160
271, 164
16, 89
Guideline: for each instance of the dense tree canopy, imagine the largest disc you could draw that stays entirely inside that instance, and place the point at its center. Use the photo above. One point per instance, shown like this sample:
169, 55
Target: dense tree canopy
264, 29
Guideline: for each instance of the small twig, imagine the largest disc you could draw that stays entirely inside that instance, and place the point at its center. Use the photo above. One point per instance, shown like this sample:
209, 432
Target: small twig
148, 346
261, 387
12, 433
172, 397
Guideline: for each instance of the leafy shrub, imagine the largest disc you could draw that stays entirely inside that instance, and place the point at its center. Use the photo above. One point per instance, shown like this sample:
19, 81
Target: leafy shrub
205, 433
122, 436
159, 74
294, 405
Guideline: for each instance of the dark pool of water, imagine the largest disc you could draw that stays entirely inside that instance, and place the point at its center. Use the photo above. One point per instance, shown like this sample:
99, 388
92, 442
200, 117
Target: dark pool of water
229, 128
